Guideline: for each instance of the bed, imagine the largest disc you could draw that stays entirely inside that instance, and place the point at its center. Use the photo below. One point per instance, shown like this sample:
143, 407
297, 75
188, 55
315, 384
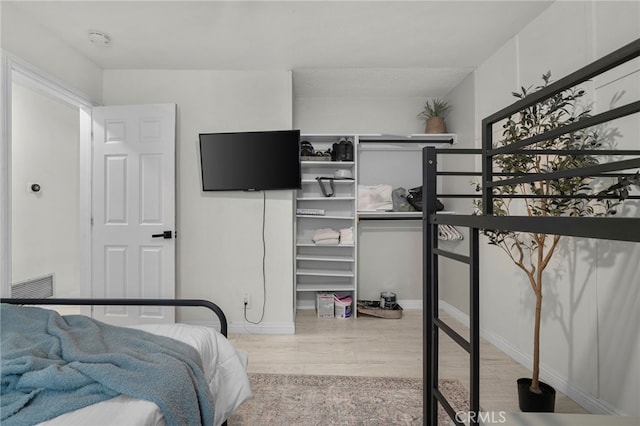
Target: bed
193, 372
608, 228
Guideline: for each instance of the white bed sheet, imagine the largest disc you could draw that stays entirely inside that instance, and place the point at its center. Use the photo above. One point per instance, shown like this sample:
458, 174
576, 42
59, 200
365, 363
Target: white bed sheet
225, 369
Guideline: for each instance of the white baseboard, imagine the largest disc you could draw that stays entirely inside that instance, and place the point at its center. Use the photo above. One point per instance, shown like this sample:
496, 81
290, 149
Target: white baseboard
552, 377
410, 304
406, 304
305, 304
243, 327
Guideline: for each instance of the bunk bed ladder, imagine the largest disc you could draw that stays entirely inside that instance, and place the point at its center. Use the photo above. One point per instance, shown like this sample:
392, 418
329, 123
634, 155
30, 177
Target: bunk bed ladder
432, 322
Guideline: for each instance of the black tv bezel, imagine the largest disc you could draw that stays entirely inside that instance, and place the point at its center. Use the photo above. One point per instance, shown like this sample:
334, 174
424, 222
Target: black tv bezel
243, 188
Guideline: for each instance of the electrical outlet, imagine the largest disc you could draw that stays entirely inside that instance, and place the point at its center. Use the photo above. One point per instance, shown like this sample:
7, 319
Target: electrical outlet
246, 301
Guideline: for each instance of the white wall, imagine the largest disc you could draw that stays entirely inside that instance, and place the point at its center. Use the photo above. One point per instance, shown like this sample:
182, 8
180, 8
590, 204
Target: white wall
219, 244
212, 262
31, 42
358, 115
45, 233
591, 309
454, 277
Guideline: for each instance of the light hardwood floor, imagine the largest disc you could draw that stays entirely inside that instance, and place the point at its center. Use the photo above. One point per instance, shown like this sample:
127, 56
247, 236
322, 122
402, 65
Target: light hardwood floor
369, 346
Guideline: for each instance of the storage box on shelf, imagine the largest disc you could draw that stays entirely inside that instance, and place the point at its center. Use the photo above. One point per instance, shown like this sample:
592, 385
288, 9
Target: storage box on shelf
324, 261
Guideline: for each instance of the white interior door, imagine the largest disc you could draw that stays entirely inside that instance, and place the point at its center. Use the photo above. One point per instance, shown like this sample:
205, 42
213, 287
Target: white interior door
133, 205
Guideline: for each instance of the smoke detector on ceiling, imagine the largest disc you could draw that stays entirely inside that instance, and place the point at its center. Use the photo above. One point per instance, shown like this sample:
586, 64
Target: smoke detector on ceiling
98, 38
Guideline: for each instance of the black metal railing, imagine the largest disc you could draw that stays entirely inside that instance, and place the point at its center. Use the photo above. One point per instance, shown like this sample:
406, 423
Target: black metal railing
127, 302
612, 228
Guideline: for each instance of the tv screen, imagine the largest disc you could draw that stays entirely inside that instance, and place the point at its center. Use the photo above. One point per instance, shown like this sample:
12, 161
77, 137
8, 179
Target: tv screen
250, 161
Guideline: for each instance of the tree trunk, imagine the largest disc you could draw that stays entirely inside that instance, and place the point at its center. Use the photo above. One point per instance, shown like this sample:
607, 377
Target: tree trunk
535, 387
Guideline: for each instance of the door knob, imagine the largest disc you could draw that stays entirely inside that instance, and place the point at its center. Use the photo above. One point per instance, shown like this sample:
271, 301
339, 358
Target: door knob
166, 235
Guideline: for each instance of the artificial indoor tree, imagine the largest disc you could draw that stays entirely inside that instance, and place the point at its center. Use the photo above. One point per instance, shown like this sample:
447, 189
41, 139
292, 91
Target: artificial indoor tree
572, 196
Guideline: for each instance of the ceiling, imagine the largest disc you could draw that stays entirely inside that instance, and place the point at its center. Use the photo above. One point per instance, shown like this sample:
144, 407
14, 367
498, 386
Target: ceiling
334, 48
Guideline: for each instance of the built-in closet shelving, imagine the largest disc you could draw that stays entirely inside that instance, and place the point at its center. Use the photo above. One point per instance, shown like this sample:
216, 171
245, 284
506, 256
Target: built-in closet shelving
389, 159
325, 268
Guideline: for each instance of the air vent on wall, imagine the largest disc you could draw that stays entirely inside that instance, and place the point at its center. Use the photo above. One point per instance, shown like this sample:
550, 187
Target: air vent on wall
39, 288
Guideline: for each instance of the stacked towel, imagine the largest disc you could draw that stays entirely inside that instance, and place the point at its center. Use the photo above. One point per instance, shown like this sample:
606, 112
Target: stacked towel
346, 236
326, 236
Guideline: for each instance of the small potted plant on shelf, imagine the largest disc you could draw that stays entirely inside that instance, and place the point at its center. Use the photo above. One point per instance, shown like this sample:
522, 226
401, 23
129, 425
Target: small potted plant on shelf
532, 252
434, 112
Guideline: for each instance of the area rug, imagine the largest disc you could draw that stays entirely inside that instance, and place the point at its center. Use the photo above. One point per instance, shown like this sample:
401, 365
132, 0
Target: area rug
337, 400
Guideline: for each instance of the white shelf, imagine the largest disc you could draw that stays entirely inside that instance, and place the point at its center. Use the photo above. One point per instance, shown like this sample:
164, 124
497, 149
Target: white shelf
325, 273
327, 163
440, 138
321, 258
389, 215
313, 216
415, 142
395, 215
329, 287
323, 198
312, 244
336, 181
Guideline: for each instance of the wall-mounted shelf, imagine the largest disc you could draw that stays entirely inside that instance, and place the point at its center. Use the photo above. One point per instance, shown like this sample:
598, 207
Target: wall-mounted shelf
325, 273
414, 142
312, 244
336, 182
326, 287
364, 215
320, 258
328, 163
315, 216
305, 198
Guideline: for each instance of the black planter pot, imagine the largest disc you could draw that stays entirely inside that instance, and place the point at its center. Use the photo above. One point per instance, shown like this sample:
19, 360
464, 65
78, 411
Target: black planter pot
544, 402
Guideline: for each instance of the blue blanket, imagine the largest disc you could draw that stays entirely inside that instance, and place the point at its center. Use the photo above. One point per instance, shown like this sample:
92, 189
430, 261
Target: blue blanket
53, 364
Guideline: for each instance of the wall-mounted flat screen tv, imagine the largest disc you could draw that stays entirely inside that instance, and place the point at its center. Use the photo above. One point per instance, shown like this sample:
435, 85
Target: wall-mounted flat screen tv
250, 161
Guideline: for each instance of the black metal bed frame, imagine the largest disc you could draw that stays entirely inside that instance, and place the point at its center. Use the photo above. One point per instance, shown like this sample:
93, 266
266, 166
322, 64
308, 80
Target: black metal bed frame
128, 302
611, 228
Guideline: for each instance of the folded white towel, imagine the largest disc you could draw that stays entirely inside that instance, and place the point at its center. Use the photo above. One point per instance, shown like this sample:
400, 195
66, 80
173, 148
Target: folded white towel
346, 231
325, 234
346, 236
